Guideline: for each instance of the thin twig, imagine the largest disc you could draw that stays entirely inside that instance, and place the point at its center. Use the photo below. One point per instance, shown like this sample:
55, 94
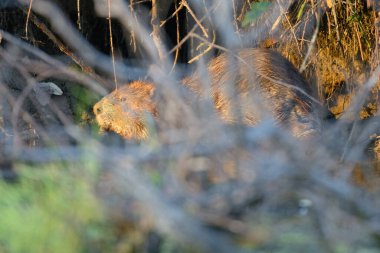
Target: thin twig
199, 22
178, 35
111, 42
155, 22
79, 15
61, 46
175, 13
312, 43
27, 18
208, 49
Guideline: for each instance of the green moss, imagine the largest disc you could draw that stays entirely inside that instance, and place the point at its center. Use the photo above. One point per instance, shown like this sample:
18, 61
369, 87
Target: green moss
257, 8
83, 99
51, 209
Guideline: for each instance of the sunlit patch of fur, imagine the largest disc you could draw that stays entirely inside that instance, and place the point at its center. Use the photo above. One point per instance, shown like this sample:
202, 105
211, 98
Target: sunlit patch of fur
123, 110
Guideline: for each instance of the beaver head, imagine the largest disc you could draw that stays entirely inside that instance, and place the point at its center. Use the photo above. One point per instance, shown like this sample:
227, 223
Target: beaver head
124, 110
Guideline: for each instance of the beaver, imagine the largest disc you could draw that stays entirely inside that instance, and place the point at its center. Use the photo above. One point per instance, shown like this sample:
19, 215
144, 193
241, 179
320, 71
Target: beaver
264, 81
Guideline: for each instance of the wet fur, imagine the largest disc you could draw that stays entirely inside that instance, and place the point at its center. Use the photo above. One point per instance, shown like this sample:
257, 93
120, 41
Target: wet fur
264, 81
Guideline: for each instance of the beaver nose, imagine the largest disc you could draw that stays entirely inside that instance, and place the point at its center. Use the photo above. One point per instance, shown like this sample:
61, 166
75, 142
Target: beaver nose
97, 109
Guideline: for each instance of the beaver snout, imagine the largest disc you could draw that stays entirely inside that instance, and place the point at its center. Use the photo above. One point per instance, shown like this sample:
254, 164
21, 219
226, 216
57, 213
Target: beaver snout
97, 109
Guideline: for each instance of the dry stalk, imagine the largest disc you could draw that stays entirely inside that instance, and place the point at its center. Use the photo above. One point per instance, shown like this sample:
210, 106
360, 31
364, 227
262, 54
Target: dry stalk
79, 16
208, 49
155, 22
189, 34
111, 42
133, 38
291, 29
312, 43
175, 13
27, 18
61, 46
199, 23
336, 21
178, 37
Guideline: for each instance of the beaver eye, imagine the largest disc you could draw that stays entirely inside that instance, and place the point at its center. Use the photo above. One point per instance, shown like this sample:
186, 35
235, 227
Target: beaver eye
123, 99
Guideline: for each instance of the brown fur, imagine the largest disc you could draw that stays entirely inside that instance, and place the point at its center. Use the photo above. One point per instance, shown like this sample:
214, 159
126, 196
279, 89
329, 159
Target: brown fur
264, 81
123, 110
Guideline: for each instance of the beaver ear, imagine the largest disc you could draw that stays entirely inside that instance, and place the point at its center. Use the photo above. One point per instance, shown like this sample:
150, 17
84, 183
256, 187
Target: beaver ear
142, 87
134, 85
152, 91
